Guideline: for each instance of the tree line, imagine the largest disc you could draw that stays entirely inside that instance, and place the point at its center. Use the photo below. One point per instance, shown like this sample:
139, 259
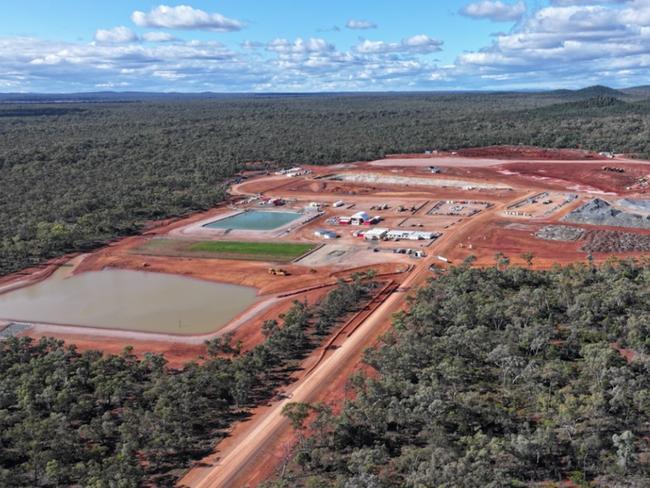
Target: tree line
496, 377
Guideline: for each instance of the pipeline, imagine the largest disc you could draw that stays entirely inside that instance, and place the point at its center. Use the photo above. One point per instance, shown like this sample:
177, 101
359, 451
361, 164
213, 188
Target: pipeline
374, 303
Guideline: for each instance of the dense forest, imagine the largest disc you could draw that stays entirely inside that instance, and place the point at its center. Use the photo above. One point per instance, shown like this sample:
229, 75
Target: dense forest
85, 419
76, 174
494, 378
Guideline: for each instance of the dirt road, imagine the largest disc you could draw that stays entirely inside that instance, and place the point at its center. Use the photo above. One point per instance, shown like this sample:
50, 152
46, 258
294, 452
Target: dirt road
238, 464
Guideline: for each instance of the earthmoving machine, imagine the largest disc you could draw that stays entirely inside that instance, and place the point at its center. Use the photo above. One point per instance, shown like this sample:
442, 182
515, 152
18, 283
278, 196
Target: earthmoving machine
278, 272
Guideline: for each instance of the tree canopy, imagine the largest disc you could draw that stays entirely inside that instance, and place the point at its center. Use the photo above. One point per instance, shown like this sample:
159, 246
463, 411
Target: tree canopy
498, 377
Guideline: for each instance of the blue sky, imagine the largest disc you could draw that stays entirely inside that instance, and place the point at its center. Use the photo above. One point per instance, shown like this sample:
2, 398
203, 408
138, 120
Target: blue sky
322, 45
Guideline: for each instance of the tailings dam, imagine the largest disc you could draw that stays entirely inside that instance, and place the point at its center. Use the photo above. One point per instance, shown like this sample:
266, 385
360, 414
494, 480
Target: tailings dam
131, 300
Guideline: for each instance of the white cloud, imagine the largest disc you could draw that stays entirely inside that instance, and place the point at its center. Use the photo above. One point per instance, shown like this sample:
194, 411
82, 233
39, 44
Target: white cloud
158, 37
567, 3
553, 46
300, 46
119, 34
420, 44
301, 64
185, 17
68, 66
563, 44
249, 45
495, 11
360, 24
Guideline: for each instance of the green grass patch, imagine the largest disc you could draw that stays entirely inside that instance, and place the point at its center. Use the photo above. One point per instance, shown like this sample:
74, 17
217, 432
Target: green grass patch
254, 251
276, 250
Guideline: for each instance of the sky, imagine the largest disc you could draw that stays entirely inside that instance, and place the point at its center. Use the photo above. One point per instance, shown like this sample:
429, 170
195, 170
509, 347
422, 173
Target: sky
63, 46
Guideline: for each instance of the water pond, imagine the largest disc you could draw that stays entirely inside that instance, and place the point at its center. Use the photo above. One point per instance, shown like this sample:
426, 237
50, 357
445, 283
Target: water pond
125, 299
254, 220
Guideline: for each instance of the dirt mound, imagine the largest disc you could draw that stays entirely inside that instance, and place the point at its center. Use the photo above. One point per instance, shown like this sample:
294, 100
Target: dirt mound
316, 186
615, 241
526, 152
601, 212
563, 233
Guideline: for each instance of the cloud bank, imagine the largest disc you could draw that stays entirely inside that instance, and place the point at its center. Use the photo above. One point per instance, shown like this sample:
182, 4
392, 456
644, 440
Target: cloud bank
184, 17
495, 11
572, 41
115, 35
565, 44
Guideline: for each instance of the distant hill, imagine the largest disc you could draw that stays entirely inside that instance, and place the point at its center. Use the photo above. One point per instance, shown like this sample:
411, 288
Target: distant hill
594, 106
599, 91
599, 101
638, 91
587, 93
134, 96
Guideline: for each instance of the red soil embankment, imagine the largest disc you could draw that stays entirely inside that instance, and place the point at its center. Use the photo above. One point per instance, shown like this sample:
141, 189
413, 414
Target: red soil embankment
528, 153
580, 175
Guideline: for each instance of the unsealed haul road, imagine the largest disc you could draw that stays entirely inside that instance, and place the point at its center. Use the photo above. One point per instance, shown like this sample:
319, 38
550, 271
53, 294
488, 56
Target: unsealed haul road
232, 465
237, 464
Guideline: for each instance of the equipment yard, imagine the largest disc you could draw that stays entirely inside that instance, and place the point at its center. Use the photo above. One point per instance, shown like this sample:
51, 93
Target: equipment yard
293, 235
541, 205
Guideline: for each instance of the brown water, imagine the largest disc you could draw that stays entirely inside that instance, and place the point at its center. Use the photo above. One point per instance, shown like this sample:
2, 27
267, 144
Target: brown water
124, 299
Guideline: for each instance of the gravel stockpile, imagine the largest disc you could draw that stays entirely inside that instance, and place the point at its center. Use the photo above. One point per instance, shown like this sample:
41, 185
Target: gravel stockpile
12, 330
380, 179
614, 241
601, 212
636, 205
559, 233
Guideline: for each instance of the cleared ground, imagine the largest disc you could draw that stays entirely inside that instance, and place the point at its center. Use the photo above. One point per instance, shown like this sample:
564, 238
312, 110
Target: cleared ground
541, 205
380, 179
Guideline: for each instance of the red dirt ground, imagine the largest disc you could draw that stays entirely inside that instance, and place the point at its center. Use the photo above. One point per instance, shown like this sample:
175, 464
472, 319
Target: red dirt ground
333, 395
512, 239
527, 152
34, 274
586, 175
509, 152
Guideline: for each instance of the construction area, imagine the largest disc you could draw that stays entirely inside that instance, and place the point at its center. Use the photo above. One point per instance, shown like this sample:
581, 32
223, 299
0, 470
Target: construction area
540, 205
603, 212
461, 208
293, 234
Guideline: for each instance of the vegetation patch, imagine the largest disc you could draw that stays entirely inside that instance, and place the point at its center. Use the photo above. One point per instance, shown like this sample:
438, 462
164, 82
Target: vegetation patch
496, 378
283, 251
255, 251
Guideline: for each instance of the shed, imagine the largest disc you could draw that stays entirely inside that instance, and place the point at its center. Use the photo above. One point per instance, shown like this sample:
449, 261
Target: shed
375, 234
359, 218
398, 234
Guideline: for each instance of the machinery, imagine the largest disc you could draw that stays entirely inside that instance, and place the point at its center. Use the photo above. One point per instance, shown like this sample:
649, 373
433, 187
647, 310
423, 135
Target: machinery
278, 272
